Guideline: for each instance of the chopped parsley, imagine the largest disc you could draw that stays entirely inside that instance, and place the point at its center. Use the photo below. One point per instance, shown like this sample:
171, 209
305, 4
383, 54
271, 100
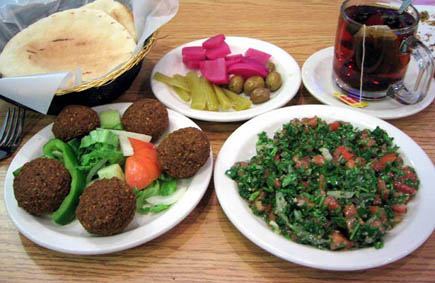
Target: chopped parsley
331, 186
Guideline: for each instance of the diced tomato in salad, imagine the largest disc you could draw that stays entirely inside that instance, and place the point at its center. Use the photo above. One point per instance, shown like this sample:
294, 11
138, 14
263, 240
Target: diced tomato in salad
334, 126
343, 152
331, 203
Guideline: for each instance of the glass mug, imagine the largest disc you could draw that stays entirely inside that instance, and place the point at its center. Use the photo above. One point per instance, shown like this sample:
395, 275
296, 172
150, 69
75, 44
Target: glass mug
374, 46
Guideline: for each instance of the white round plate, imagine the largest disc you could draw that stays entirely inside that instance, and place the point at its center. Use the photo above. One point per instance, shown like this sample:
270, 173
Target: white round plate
416, 227
72, 238
172, 64
426, 29
317, 78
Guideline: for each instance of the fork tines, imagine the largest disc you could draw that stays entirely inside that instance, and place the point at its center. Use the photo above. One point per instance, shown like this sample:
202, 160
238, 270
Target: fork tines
12, 128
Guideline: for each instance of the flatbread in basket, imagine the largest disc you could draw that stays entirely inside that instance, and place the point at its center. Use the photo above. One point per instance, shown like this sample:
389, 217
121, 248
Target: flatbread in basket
88, 39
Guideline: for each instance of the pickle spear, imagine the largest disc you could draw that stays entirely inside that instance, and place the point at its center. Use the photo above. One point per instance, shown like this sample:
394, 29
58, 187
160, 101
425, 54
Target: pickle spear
182, 79
190, 78
184, 95
239, 102
171, 81
224, 101
198, 97
211, 101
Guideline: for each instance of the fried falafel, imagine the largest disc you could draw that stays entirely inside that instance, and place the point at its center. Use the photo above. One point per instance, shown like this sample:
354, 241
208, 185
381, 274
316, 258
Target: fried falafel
183, 152
41, 185
106, 207
146, 116
75, 121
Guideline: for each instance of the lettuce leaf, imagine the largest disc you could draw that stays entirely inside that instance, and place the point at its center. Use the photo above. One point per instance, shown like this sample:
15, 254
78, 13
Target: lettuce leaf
99, 145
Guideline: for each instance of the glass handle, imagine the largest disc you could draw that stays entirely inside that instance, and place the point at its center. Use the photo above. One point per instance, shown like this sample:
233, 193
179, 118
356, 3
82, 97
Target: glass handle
414, 88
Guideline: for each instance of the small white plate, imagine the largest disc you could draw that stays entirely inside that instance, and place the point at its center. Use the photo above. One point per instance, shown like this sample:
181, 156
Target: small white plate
416, 227
317, 78
172, 64
72, 238
426, 31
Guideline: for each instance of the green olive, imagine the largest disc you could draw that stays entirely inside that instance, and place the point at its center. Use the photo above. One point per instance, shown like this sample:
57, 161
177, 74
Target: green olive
273, 81
260, 95
236, 84
252, 83
270, 66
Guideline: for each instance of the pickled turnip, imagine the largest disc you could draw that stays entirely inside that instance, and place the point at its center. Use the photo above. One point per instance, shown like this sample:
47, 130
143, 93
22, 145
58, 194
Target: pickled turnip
218, 52
247, 70
257, 55
215, 71
213, 41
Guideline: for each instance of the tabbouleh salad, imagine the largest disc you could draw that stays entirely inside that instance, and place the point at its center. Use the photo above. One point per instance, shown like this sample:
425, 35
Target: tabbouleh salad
331, 186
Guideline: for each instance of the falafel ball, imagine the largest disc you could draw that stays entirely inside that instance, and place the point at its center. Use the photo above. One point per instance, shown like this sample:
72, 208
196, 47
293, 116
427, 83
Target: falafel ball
146, 116
41, 185
75, 121
183, 152
106, 207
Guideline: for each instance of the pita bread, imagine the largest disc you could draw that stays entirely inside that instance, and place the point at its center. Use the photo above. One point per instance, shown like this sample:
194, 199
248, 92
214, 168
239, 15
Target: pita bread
88, 39
116, 10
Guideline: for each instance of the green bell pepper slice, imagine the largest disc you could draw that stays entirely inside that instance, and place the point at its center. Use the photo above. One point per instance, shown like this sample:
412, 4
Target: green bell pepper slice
66, 212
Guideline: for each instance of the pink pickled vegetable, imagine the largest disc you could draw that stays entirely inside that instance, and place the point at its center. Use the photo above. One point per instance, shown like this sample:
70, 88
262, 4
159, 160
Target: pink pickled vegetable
215, 71
233, 59
214, 41
193, 52
237, 57
218, 52
252, 61
192, 64
192, 58
257, 55
247, 70
231, 62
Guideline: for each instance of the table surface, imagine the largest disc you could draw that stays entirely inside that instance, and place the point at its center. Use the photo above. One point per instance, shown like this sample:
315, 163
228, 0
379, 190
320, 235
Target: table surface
206, 246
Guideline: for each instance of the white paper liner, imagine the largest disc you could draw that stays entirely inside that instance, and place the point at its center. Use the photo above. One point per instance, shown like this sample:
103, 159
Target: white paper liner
37, 91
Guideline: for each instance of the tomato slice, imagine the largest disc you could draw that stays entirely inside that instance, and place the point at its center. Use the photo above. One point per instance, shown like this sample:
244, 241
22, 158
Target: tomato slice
138, 144
141, 171
150, 153
142, 168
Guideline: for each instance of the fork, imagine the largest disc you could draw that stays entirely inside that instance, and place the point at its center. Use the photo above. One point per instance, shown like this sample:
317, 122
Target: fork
11, 131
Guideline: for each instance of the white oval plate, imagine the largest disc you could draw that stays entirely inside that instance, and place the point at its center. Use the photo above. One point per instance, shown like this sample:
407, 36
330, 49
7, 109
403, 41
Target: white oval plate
172, 64
416, 227
317, 78
72, 238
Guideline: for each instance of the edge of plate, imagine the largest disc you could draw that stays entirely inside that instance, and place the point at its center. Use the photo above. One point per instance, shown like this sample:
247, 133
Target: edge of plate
223, 116
93, 250
389, 114
290, 257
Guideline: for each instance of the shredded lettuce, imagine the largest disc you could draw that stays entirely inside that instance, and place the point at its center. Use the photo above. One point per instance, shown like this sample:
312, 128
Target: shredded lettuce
153, 209
168, 199
99, 136
168, 187
158, 196
97, 146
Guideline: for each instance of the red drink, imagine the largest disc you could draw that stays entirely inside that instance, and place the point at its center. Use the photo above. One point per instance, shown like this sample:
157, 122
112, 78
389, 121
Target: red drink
379, 41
